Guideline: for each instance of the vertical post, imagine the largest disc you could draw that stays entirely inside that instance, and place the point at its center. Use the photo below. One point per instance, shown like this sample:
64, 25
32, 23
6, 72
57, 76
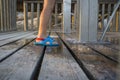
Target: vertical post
78, 16
4, 15
75, 16
25, 16
14, 12
0, 15
10, 14
56, 13
88, 25
93, 20
83, 17
32, 15
119, 18
109, 11
103, 15
38, 14
7, 9
15, 2
2, 18
67, 16
114, 21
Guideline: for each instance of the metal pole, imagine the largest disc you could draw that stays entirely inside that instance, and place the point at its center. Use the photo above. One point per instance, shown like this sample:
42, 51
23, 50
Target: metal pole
103, 35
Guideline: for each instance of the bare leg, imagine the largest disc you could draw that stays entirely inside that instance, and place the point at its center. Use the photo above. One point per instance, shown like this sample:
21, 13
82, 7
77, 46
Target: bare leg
44, 18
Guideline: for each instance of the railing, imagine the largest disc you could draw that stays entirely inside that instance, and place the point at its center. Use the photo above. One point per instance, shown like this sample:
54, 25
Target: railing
56, 18
105, 10
7, 15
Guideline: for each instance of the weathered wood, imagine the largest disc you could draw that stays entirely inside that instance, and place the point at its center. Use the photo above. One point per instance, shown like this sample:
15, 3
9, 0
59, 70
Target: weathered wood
25, 16
38, 14
22, 35
0, 15
32, 15
18, 66
113, 21
3, 37
83, 20
103, 16
109, 11
93, 23
67, 16
7, 14
58, 64
75, 16
119, 18
2, 18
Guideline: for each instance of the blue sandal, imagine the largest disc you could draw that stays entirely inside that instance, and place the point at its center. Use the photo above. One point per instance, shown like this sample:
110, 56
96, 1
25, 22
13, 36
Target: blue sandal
47, 42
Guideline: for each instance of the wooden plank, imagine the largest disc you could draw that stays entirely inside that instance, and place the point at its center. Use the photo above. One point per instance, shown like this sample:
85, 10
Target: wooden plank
20, 65
3, 37
58, 64
16, 38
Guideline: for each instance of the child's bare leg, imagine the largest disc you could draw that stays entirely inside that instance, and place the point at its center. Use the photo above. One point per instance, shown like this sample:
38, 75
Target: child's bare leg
44, 18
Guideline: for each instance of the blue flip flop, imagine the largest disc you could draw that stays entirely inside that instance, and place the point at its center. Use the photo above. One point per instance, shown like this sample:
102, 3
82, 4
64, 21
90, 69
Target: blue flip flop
47, 42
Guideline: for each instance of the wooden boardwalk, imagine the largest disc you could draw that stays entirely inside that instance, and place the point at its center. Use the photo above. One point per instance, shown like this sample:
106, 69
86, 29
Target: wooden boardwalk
20, 59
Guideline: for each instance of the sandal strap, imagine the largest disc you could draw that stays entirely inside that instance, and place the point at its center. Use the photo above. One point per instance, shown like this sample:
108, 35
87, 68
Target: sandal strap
39, 38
